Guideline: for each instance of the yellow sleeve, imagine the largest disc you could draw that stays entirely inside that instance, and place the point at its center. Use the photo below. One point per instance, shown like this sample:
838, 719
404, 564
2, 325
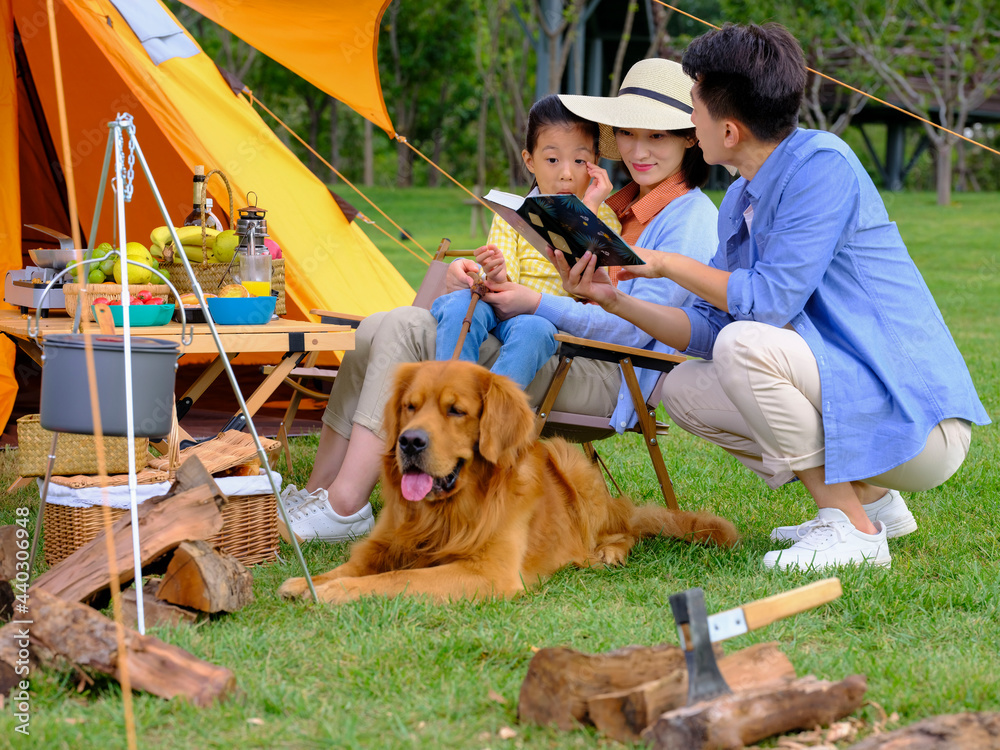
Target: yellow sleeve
609, 217
505, 238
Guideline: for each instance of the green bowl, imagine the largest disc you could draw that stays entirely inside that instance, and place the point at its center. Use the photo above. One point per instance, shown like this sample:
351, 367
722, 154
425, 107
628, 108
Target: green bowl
142, 316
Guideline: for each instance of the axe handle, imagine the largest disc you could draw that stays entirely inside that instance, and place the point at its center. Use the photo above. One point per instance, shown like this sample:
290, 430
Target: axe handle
765, 611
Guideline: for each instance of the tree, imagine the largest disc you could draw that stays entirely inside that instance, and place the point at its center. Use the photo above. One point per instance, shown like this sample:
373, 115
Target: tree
940, 58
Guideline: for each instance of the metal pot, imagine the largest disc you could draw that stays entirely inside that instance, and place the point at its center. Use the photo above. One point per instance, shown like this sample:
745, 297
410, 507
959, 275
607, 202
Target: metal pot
65, 399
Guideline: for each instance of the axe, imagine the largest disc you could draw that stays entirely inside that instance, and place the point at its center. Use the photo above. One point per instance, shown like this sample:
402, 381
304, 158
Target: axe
698, 631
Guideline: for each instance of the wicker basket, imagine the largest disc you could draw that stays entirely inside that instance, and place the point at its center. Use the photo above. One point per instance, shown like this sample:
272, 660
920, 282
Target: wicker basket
112, 291
249, 529
210, 276
75, 454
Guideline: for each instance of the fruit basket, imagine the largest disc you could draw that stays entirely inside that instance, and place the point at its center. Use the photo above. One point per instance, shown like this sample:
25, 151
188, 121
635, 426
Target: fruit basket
210, 277
113, 293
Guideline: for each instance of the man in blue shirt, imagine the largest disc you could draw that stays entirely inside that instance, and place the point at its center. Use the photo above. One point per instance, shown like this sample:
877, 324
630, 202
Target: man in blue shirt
824, 355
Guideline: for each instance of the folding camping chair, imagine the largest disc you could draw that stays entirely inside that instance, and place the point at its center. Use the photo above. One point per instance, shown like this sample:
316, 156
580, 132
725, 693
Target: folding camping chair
579, 428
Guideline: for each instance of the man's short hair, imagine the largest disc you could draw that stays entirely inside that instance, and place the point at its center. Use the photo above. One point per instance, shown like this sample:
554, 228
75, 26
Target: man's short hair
753, 74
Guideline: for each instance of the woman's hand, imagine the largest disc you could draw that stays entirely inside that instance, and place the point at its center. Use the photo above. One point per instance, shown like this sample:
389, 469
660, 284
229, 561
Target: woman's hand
462, 273
599, 189
509, 299
584, 279
653, 268
491, 259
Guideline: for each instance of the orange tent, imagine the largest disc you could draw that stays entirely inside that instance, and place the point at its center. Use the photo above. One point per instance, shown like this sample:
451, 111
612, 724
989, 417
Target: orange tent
185, 115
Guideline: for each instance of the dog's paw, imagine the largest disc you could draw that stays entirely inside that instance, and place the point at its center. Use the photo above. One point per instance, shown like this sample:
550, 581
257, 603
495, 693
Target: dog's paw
293, 588
612, 554
339, 591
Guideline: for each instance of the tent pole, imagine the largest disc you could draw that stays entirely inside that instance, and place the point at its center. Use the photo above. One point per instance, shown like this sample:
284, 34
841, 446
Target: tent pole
74, 222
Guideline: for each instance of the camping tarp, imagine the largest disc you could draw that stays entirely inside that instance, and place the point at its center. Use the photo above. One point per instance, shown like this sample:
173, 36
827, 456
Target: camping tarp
185, 115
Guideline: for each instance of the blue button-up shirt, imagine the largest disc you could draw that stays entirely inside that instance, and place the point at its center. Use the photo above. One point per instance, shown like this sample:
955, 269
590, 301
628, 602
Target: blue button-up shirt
823, 256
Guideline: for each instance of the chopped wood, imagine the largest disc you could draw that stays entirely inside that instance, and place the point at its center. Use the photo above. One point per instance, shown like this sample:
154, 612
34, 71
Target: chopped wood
86, 637
969, 731
154, 611
560, 680
202, 578
8, 549
6, 601
624, 714
744, 718
192, 509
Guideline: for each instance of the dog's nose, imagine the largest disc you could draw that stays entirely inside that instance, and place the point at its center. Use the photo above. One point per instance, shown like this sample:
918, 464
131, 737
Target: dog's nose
412, 442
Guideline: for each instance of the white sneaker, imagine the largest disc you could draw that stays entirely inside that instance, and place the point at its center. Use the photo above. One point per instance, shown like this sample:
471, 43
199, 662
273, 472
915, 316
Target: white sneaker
316, 519
293, 497
833, 540
890, 509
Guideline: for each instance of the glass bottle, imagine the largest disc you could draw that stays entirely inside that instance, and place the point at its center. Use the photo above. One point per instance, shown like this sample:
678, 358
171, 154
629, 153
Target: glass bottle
199, 199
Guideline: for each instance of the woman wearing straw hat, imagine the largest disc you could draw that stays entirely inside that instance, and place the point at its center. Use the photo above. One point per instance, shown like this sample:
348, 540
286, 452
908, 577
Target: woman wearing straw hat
663, 209
824, 356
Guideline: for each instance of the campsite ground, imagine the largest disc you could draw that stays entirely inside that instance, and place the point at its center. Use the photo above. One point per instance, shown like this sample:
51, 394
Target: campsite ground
403, 674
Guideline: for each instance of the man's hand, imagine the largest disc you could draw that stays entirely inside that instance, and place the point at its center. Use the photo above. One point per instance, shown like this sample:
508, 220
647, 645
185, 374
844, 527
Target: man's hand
462, 274
599, 189
584, 279
651, 270
510, 299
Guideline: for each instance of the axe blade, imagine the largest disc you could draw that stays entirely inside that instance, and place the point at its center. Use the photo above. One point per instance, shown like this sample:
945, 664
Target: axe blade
705, 681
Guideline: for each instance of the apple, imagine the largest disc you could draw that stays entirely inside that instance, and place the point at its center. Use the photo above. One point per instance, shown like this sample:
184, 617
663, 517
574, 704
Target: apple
273, 248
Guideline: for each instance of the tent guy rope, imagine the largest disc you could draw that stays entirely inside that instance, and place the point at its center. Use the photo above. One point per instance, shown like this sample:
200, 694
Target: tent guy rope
857, 91
254, 100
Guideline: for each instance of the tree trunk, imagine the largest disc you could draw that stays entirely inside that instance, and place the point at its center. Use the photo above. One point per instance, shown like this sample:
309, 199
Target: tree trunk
369, 175
943, 164
334, 139
616, 71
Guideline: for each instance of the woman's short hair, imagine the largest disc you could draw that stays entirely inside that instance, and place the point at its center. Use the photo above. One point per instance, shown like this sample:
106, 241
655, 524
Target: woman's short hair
753, 74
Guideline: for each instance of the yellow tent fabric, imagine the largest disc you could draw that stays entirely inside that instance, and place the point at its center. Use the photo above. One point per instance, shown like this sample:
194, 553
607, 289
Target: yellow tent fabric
331, 45
185, 115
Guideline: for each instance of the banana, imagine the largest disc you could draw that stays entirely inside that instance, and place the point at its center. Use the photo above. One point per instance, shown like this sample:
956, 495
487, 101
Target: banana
187, 235
194, 253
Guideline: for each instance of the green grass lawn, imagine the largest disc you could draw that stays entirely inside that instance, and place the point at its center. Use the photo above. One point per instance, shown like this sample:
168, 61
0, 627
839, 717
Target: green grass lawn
406, 674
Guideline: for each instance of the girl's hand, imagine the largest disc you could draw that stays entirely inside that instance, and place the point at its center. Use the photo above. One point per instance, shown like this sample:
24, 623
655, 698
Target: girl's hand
599, 189
461, 274
491, 259
584, 279
651, 270
509, 299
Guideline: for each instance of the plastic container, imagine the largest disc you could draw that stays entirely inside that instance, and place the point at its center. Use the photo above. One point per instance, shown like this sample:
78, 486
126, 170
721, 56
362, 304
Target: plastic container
65, 401
141, 316
241, 311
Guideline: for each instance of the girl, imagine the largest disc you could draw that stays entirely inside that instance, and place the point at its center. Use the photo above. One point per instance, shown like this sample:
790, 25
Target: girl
561, 151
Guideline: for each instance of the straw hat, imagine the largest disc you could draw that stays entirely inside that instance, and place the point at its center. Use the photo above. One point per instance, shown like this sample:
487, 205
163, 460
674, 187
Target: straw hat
655, 95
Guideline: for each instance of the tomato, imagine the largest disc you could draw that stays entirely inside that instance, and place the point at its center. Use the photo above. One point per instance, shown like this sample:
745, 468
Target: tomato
154, 301
144, 294
102, 301
115, 302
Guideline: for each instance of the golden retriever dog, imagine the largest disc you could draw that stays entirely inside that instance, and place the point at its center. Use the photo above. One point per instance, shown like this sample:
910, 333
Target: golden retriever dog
475, 507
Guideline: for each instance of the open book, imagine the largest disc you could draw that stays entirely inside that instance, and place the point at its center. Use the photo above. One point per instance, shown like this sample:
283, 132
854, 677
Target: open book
565, 223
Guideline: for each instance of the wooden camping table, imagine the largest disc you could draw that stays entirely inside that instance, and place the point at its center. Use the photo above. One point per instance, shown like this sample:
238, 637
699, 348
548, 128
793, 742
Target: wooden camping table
295, 339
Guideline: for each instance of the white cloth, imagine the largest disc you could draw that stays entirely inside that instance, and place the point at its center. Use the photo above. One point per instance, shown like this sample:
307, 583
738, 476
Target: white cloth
118, 496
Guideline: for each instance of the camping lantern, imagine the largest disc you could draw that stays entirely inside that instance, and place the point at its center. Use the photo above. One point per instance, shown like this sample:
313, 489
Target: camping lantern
251, 227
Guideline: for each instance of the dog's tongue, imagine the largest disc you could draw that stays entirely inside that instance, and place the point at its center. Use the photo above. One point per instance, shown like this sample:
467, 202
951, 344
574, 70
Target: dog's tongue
416, 486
